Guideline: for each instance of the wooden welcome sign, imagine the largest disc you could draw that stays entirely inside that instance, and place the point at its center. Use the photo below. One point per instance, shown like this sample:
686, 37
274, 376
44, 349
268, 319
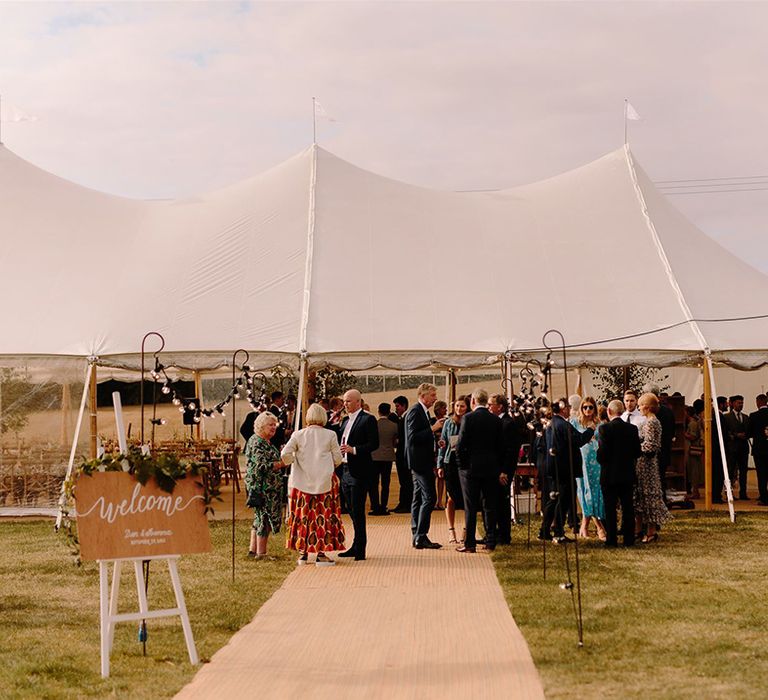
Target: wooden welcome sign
118, 518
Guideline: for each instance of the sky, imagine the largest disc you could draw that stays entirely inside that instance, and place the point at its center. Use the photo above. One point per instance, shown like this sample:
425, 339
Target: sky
171, 99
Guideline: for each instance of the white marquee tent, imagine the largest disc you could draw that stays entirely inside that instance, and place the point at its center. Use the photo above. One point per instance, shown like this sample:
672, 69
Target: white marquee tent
317, 258
318, 262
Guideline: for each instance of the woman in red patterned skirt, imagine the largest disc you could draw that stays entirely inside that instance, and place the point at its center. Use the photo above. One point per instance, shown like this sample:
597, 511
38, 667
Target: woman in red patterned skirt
314, 520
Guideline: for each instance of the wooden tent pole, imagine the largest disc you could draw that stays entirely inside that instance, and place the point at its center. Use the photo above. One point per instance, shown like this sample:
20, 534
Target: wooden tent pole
707, 438
303, 398
199, 394
509, 388
65, 401
92, 406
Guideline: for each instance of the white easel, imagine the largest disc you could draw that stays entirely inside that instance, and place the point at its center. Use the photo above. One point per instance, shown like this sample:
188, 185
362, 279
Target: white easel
109, 616
108, 604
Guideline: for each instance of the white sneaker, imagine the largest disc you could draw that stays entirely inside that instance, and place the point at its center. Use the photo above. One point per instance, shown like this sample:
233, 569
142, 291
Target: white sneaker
302, 560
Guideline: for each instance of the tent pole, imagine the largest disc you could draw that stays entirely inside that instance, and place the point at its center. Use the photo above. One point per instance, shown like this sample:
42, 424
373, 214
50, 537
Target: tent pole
92, 407
65, 399
723, 458
509, 388
302, 401
451, 388
62, 496
707, 438
199, 394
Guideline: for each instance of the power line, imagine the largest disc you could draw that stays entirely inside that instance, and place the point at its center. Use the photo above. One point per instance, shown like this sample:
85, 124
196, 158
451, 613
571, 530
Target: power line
714, 184
641, 334
713, 179
753, 189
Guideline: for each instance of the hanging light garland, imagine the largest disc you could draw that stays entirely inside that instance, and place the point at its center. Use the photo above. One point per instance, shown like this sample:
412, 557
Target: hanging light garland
244, 384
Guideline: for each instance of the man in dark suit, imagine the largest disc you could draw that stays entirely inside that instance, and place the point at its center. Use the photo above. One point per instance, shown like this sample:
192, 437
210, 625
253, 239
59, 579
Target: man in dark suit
512, 438
758, 431
277, 409
359, 438
563, 445
480, 451
401, 464
618, 449
420, 457
246, 429
736, 427
718, 476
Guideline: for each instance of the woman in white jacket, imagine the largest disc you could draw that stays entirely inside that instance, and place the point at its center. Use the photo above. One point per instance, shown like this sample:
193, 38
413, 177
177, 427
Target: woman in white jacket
314, 519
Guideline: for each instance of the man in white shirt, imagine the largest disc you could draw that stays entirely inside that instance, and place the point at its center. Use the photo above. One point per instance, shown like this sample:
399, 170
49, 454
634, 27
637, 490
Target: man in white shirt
632, 414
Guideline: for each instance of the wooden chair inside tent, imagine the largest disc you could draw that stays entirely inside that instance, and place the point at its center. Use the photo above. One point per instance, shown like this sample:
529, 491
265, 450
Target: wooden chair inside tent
230, 466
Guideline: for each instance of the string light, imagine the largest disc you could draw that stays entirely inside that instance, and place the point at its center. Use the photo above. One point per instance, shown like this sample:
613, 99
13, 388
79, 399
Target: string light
258, 403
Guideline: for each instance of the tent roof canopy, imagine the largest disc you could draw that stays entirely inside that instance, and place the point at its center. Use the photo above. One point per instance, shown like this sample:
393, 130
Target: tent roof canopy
316, 257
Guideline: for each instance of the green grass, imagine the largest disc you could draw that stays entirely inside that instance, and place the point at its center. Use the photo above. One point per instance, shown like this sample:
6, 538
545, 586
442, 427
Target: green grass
683, 618
49, 614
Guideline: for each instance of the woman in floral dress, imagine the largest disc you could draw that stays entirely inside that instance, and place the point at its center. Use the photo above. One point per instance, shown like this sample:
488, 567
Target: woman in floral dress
588, 486
314, 515
650, 509
263, 476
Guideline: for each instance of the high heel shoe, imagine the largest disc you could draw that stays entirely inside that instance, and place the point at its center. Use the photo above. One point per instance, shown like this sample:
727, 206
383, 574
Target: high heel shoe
452, 535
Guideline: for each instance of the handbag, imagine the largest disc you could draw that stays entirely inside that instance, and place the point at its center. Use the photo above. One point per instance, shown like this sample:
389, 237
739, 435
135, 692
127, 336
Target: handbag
255, 499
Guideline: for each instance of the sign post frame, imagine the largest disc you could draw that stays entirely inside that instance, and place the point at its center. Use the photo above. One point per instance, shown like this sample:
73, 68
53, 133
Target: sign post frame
108, 604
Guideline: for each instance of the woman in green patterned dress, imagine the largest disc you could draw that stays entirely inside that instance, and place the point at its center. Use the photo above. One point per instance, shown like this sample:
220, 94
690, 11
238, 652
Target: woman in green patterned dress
263, 476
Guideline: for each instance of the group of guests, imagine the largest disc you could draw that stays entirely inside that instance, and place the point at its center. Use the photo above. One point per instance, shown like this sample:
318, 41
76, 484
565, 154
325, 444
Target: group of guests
345, 451
610, 461
741, 434
610, 458
313, 453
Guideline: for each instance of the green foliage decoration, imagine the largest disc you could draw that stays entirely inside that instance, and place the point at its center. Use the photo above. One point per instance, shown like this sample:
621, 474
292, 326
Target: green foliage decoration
609, 381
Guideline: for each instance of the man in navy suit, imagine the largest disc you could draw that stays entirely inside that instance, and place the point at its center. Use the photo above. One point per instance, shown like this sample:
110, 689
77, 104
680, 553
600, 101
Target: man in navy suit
563, 445
480, 452
359, 438
617, 451
420, 457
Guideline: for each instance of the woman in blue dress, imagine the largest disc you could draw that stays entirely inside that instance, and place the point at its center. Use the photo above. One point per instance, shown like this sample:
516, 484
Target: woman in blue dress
588, 486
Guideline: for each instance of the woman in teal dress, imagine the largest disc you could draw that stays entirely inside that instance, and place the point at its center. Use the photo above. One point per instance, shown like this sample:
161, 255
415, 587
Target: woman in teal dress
588, 486
263, 476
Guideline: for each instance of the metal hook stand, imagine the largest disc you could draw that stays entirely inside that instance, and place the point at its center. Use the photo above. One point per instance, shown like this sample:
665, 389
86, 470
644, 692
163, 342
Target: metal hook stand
157, 368
568, 585
236, 384
531, 409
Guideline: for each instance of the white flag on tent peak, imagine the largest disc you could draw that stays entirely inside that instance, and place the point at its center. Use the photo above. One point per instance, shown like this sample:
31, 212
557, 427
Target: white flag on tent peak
321, 112
11, 113
632, 114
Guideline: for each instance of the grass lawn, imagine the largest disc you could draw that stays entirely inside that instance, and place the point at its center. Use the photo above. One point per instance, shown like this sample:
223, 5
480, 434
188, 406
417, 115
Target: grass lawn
685, 617
49, 614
